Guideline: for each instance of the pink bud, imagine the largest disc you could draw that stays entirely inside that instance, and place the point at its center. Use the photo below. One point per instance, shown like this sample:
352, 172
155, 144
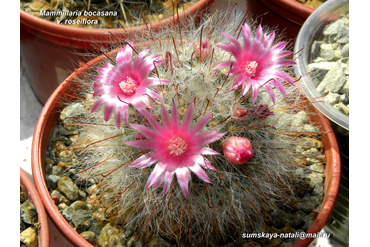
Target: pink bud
237, 150
206, 50
261, 111
239, 114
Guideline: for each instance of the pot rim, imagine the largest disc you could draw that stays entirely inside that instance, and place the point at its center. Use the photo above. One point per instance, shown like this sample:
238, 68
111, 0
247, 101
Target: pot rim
33, 195
331, 184
86, 34
291, 9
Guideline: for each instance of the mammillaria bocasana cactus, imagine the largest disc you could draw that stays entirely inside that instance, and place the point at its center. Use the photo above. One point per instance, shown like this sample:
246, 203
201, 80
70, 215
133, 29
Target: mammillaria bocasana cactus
192, 99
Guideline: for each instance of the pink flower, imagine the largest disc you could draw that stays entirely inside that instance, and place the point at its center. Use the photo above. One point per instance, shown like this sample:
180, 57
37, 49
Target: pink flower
257, 63
176, 149
237, 150
127, 84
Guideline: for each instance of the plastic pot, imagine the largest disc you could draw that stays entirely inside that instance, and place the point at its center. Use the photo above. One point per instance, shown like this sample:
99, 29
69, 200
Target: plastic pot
50, 113
49, 50
286, 15
33, 196
312, 30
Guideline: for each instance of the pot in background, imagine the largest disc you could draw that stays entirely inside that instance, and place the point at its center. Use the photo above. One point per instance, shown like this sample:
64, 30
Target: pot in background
33, 196
50, 51
286, 15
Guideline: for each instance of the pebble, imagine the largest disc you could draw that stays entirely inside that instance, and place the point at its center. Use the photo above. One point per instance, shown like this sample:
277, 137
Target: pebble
82, 220
68, 188
330, 64
79, 215
28, 212
333, 81
89, 237
157, 241
29, 237
52, 181
111, 236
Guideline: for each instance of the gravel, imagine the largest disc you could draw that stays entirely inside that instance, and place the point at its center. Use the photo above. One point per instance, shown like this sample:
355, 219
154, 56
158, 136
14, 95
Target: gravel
330, 64
29, 225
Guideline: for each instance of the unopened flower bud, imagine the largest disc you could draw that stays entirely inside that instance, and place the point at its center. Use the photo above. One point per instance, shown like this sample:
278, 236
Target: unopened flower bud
237, 150
206, 50
239, 114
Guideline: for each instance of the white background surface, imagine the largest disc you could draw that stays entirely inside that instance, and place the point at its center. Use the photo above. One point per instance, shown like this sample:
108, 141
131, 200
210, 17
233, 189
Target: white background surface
30, 109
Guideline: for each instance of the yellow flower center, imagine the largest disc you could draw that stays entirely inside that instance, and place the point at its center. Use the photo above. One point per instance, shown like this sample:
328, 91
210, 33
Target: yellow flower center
128, 86
250, 68
177, 146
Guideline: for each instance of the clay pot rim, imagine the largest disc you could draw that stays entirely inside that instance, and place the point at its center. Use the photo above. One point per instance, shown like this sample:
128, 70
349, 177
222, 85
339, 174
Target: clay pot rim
33, 195
291, 9
328, 138
296, 6
85, 34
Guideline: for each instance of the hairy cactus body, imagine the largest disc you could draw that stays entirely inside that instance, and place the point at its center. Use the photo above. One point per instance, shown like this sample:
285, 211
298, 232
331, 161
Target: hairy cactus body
223, 200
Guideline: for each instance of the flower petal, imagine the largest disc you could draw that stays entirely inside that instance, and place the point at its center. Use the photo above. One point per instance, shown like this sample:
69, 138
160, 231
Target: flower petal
124, 58
147, 82
108, 110
175, 117
229, 48
143, 160
209, 137
246, 86
143, 144
197, 170
138, 104
183, 178
255, 89
157, 172
208, 151
139, 59
233, 40
247, 36
270, 92
188, 118
203, 162
121, 114
201, 123
147, 132
168, 177
223, 65
97, 104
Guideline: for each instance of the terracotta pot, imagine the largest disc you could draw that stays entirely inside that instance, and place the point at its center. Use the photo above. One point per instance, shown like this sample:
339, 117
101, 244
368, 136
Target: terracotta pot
33, 196
286, 15
49, 50
50, 113
332, 174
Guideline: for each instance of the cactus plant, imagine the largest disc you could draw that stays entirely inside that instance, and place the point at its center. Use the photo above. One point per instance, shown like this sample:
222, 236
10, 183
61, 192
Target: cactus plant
241, 143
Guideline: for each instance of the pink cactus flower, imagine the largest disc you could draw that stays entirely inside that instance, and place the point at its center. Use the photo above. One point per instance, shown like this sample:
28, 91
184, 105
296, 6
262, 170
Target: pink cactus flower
237, 150
257, 63
127, 84
176, 149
